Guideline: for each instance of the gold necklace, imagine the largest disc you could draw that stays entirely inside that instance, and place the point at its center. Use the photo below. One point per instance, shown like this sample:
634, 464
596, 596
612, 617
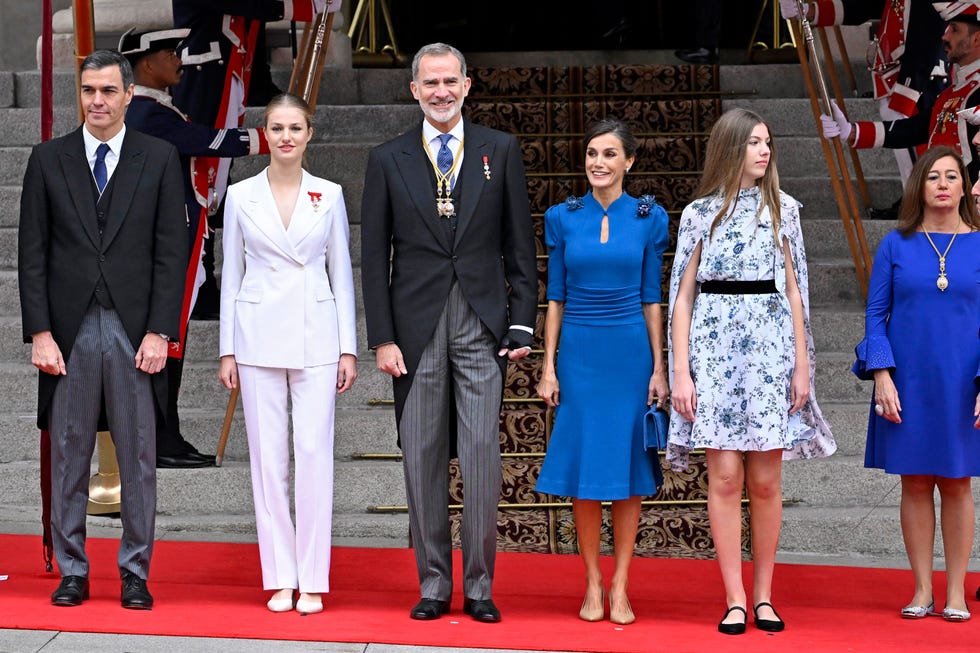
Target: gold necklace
942, 283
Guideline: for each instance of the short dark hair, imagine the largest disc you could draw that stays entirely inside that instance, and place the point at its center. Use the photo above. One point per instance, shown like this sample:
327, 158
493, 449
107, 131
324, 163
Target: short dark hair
617, 128
100, 59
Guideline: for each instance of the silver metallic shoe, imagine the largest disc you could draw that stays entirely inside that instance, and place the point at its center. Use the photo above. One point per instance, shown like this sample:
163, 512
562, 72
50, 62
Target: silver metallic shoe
952, 614
918, 611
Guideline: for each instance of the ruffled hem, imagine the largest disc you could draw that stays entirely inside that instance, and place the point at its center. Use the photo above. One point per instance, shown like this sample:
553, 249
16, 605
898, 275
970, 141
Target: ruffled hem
873, 353
805, 439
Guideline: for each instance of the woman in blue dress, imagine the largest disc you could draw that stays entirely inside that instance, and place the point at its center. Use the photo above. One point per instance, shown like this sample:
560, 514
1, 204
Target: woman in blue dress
922, 349
605, 256
741, 353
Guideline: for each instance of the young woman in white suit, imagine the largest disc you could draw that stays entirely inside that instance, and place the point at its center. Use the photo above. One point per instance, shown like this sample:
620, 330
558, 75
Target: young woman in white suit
288, 330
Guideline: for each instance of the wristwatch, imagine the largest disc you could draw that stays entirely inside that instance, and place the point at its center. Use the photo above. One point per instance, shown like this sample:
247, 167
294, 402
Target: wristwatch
162, 335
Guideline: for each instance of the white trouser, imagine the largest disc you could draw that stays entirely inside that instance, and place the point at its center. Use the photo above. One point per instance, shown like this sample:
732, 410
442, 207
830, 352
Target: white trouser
291, 557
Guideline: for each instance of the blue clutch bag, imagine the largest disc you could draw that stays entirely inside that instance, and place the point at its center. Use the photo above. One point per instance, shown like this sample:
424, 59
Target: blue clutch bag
655, 423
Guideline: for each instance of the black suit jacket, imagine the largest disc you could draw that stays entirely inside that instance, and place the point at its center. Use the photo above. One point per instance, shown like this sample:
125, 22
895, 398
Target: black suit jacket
492, 255
141, 255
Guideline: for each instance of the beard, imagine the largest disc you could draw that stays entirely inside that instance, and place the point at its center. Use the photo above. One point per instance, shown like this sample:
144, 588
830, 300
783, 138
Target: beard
442, 117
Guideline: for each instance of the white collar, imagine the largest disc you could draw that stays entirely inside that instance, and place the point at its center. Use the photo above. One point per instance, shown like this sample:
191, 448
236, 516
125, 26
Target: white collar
92, 143
157, 95
429, 133
962, 74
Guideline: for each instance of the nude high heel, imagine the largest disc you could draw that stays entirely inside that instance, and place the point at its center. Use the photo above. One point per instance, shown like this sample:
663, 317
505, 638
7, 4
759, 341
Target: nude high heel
622, 617
593, 614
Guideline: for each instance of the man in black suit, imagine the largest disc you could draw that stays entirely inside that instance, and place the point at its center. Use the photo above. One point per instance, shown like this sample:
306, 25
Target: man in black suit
102, 249
446, 203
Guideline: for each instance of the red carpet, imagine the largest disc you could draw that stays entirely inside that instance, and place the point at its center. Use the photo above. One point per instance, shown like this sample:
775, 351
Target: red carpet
212, 589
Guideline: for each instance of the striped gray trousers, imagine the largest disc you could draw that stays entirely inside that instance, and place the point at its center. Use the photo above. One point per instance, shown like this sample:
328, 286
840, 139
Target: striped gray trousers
458, 364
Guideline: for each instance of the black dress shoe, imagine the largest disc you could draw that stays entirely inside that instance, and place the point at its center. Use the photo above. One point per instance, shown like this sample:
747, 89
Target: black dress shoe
72, 591
429, 609
135, 596
206, 316
482, 610
697, 55
183, 461
203, 457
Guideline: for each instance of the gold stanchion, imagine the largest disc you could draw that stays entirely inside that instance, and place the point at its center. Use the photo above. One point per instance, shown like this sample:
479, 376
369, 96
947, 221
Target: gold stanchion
104, 490
365, 26
840, 177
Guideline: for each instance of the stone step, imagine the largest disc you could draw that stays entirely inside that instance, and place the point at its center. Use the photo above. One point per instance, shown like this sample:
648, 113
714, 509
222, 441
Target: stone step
358, 430
13, 162
833, 282
802, 156
826, 238
849, 423
817, 195
368, 530
227, 489
788, 116
851, 531
10, 204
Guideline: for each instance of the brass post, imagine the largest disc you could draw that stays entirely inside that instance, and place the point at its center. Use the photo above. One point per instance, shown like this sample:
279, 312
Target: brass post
104, 488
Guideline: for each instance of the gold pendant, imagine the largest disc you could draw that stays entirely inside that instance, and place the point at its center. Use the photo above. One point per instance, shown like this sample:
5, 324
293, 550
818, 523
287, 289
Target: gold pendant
942, 283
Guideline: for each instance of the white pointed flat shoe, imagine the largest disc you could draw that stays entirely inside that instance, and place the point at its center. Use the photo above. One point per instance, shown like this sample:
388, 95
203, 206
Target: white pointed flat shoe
280, 605
305, 607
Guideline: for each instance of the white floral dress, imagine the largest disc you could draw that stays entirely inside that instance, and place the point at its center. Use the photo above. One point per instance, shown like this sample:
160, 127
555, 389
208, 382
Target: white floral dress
742, 351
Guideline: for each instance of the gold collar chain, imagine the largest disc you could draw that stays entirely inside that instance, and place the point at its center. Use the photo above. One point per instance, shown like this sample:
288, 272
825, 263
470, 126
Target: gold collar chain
942, 283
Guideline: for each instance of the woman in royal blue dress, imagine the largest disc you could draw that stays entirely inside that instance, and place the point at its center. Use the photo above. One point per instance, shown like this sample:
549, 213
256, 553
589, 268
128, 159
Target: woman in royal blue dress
922, 348
604, 267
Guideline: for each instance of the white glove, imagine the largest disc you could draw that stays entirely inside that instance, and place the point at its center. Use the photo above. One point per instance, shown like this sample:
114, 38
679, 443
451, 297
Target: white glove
789, 9
836, 126
971, 115
829, 127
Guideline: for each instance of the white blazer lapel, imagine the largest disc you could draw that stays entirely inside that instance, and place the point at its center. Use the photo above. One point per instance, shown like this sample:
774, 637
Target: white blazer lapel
261, 210
311, 207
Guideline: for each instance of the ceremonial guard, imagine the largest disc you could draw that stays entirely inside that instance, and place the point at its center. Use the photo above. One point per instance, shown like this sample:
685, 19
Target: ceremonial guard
943, 124
156, 68
218, 56
906, 57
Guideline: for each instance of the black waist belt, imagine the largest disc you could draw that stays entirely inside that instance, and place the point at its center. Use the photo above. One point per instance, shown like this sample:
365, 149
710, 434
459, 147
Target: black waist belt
768, 286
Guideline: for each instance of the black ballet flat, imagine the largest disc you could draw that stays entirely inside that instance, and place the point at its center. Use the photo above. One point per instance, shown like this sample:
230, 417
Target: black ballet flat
768, 625
732, 629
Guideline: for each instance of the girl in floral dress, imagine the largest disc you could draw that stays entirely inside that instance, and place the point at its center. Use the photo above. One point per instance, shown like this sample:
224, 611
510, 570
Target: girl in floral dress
741, 352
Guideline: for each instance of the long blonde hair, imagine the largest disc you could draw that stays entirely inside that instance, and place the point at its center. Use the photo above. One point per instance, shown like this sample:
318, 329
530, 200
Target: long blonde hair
725, 161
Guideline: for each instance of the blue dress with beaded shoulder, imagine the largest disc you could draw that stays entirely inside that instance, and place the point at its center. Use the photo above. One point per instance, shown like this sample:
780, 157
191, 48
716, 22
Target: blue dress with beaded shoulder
604, 360
931, 340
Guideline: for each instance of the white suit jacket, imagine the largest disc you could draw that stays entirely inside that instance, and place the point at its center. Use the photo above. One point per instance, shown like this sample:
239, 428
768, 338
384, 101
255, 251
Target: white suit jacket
287, 295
